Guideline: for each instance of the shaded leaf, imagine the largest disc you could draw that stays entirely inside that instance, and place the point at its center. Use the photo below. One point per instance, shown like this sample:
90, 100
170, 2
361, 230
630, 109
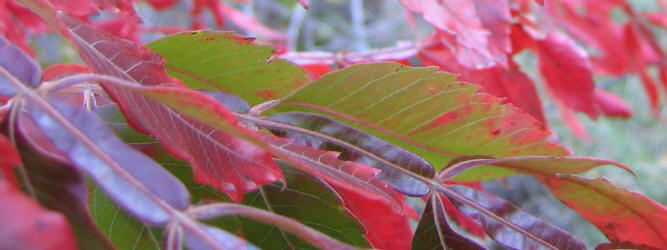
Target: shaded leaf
228, 63
312, 193
623, 216
386, 227
95, 150
24, 221
422, 111
59, 186
344, 174
221, 160
356, 146
9, 159
120, 228
434, 232
20, 65
307, 200
60, 70
528, 232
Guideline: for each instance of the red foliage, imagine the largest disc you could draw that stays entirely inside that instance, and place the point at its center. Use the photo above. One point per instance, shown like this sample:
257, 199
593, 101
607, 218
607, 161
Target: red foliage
228, 150
9, 159
26, 225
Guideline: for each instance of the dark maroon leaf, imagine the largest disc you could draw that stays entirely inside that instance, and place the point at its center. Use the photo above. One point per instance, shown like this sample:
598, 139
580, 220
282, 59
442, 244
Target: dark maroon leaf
231, 102
59, 186
327, 134
327, 166
528, 232
434, 232
110, 162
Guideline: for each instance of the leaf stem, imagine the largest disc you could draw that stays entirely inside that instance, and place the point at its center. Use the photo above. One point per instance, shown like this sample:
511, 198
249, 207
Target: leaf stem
304, 232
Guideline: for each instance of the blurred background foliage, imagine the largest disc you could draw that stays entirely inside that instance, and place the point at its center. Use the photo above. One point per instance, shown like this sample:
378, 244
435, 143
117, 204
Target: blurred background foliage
361, 25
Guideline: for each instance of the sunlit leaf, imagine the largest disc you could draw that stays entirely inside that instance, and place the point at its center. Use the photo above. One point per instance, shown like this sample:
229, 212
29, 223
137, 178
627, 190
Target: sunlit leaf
536, 166
422, 111
228, 63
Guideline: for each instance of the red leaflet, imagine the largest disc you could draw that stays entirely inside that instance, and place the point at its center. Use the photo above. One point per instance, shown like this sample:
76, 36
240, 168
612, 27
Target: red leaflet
460, 25
567, 73
162, 4
59, 70
124, 25
78, 7
639, 53
464, 222
249, 23
623, 216
315, 71
385, 227
220, 160
26, 225
611, 105
9, 159
596, 30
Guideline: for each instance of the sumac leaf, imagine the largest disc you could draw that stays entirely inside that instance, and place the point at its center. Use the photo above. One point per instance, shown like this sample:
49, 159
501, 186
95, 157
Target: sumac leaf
26, 225
223, 61
305, 199
20, 65
623, 216
536, 166
59, 186
434, 232
9, 159
95, 150
529, 232
424, 112
219, 159
357, 146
